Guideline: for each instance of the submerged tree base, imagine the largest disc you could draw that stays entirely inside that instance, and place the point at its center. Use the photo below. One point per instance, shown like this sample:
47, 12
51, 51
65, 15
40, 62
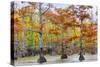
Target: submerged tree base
64, 56
81, 57
42, 59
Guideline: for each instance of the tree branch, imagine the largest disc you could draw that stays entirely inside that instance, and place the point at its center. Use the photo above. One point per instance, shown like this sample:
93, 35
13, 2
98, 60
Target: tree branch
46, 10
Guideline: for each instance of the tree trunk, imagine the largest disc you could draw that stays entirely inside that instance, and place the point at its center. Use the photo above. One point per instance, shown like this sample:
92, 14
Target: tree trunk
41, 59
81, 57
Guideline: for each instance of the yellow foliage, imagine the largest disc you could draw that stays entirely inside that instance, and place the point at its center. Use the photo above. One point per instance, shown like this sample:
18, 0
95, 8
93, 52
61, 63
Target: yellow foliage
27, 19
